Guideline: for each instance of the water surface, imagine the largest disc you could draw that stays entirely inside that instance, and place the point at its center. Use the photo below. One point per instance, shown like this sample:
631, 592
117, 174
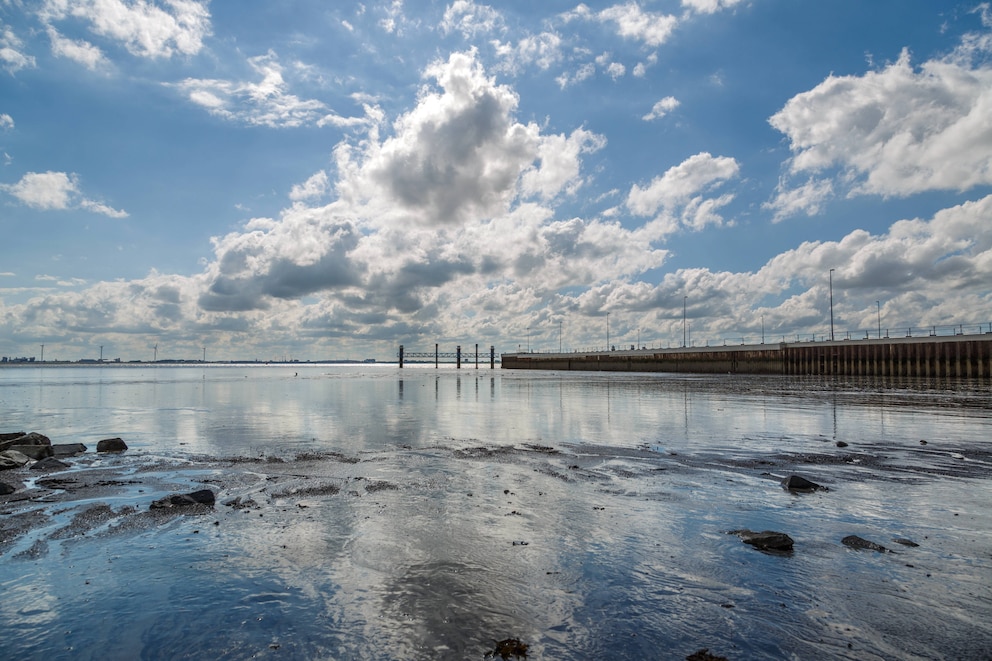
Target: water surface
425, 514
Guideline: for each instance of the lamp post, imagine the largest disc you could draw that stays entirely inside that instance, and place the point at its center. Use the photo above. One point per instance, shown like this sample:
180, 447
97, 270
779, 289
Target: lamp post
762, 329
831, 305
878, 313
42, 353
683, 321
559, 336
607, 331
528, 339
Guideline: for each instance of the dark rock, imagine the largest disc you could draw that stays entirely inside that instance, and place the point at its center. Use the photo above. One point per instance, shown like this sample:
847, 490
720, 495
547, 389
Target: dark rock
7, 489
509, 647
35, 452
32, 438
49, 464
13, 459
9, 436
796, 483
111, 445
767, 540
202, 497
704, 655
841, 444
905, 542
68, 449
861, 544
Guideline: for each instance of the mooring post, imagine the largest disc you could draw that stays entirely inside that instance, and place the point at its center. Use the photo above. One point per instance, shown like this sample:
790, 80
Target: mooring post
458, 357
492, 357
401, 356
435, 356
477, 355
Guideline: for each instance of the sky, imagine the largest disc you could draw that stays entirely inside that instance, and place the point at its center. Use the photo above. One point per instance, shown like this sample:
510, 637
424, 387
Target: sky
311, 180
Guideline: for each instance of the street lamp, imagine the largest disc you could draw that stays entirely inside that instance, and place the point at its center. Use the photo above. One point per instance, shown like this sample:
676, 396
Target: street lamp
762, 329
683, 321
607, 331
878, 312
831, 305
559, 336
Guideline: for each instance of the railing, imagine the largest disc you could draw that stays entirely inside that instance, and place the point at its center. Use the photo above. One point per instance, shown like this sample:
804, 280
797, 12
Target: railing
946, 330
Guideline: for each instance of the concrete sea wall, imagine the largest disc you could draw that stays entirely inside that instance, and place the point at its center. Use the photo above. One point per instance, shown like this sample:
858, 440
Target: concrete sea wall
964, 356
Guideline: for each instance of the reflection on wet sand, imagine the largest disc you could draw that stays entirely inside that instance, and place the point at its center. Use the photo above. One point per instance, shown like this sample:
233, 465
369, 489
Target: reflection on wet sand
582, 515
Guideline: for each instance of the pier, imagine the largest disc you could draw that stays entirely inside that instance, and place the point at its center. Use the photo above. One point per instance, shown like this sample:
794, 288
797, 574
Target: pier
959, 356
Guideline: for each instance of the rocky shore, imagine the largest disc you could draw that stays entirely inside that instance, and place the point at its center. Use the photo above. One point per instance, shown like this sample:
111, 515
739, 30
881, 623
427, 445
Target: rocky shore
55, 497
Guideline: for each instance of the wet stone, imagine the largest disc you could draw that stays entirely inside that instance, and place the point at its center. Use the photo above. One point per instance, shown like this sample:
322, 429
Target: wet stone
49, 464
202, 497
861, 544
111, 445
801, 484
905, 542
704, 655
766, 540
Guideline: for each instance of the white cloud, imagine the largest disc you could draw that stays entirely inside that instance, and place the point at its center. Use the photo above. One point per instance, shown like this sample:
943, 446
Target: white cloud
49, 191
542, 50
584, 72
708, 6
78, 50
897, 131
560, 162
679, 197
11, 57
651, 28
456, 156
662, 108
315, 187
470, 19
6, 121
146, 29
807, 199
263, 103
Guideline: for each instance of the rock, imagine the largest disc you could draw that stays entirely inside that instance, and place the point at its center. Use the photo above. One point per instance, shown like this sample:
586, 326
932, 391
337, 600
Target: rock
704, 655
7, 437
201, 497
111, 445
796, 483
33, 438
68, 449
905, 542
767, 540
861, 544
49, 464
7, 489
13, 459
841, 444
35, 452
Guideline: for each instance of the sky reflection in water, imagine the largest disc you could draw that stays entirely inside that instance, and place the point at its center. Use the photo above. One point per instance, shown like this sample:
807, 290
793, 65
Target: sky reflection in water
584, 514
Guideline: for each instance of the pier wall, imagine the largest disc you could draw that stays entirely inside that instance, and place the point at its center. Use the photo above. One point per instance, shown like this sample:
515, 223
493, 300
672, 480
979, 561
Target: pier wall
955, 356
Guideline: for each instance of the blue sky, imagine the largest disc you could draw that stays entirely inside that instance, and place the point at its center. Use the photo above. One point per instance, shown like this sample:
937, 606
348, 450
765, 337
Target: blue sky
313, 180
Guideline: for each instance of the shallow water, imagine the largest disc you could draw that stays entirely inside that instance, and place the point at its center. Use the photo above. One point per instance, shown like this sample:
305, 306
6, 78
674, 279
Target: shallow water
424, 514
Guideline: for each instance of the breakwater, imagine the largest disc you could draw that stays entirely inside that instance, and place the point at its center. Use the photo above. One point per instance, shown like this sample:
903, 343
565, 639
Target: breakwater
963, 356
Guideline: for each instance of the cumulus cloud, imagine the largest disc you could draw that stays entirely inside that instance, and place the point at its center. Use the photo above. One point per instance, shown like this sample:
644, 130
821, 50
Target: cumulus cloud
806, 199
6, 121
470, 19
49, 191
313, 188
454, 157
80, 51
542, 50
631, 22
679, 196
146, 29
439, 208
662, 108
897, 131
11, 57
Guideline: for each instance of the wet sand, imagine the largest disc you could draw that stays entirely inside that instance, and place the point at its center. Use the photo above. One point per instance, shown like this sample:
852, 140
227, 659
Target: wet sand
577, 551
